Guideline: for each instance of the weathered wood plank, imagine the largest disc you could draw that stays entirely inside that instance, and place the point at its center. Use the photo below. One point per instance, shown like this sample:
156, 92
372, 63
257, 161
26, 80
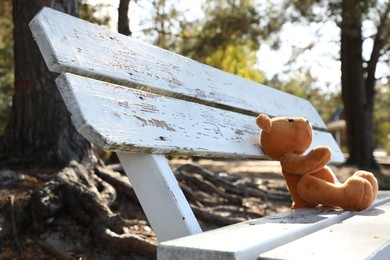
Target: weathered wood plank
364, 236
71, 45
123, 119
161, 198
248, 239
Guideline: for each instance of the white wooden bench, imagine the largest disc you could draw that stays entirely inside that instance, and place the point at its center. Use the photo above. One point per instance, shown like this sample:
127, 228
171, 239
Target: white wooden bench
144, 102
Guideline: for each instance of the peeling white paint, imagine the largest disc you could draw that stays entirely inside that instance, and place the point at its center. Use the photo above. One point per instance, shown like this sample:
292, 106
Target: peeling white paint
126, 61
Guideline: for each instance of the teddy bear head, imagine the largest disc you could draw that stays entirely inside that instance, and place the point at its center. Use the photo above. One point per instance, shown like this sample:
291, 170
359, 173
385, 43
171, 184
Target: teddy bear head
281, 135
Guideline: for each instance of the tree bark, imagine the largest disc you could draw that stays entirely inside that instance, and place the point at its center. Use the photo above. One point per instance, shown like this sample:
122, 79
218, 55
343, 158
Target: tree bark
357, 98
39, 131
123, 18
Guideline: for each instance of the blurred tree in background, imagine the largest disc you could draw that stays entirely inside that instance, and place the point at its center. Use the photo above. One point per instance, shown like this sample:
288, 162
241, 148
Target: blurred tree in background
358, 74
303, 85
38, 130
123, 17
228, 35
382, 117
93, 13
6, 61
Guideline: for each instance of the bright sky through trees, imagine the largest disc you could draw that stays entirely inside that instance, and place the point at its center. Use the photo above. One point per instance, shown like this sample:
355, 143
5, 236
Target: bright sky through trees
315, 46
318, 48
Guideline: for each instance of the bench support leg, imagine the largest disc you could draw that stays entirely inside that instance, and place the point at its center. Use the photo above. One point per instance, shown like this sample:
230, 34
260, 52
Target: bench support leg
160, 195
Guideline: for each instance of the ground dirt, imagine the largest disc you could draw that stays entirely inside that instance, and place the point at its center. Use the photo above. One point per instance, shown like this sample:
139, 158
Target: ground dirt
64, 238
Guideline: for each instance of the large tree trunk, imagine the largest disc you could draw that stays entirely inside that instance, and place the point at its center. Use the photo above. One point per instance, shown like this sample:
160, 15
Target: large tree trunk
123, 18
39, 131
358, 100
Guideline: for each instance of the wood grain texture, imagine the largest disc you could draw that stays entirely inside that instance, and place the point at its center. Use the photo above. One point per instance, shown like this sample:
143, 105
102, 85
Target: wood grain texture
72, 45
123, 119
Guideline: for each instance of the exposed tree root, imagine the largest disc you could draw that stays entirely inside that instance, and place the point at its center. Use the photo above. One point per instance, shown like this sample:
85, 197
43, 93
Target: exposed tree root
87, 198
223, 200
96, 207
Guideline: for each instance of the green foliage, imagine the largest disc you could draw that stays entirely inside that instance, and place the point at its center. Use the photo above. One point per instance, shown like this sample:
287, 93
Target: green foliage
88, 12
6, 61
227, 37
230, 36
164, 27
302, 85
382, 117
371, 18
320, 11
236, 59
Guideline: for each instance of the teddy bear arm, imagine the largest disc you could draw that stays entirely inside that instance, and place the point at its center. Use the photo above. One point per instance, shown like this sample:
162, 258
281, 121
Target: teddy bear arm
306, 164
295, 164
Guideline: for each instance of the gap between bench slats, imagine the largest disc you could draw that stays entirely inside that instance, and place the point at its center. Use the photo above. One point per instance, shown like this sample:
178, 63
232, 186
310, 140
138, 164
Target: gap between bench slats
69, 44
123, 119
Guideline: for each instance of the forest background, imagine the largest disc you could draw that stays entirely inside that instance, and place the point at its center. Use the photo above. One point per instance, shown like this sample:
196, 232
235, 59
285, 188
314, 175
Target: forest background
229, 34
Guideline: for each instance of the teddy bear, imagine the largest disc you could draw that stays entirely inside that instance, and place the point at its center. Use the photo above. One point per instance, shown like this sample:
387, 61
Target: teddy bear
309, 181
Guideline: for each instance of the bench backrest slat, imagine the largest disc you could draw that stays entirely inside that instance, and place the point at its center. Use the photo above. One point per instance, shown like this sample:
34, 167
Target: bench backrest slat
194, 109
124, 119
86, 49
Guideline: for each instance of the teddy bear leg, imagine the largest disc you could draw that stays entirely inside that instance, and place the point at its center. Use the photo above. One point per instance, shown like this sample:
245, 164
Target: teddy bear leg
360, 191
356, 193
325, 174
371, 178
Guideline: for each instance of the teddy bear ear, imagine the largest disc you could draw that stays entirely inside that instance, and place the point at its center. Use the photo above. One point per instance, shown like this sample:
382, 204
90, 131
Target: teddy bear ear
264, 122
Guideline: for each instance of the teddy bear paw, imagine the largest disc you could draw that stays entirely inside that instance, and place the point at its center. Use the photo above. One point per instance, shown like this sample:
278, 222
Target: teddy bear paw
359, 191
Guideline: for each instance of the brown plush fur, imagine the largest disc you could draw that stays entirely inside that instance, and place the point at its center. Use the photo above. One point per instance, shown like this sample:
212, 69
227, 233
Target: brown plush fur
308, 179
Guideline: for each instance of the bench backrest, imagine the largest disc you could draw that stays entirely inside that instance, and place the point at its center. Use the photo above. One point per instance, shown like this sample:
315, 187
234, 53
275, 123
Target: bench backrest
125, 95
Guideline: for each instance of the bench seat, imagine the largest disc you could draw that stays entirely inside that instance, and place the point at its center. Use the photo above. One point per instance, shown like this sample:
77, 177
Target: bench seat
318, 233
